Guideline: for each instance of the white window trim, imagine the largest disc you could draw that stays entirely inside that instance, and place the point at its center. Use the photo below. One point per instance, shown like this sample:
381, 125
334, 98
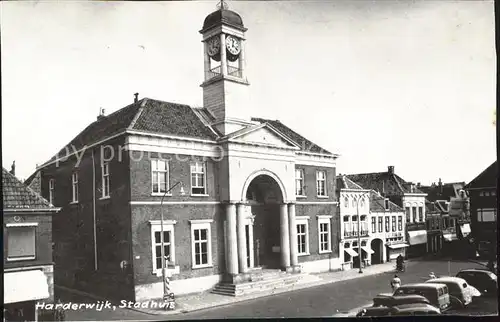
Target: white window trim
51, 191
325, 220
301, 183
300, 220
324, 182
204, 179
155, 172
74, 187
168, 225
103, 176
24, 224
201, 224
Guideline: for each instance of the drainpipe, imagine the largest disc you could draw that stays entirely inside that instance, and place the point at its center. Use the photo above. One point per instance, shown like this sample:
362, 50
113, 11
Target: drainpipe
94, 211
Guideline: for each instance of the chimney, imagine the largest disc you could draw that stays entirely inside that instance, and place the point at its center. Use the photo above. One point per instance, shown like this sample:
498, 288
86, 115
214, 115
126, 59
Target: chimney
136, 97
13, 168
418, 184
101, 113
440, 186
390, 169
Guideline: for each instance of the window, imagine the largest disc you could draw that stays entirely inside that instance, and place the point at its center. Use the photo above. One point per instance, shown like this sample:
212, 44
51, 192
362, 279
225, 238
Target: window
486, 215
400, 223
386, 224
347, 226
408, 214
380, 219
386, 204
198, 182
105, 180
324, 234
321, 183
302, 236
51, 190
393, 223
21, 239
168, 243
362, 202
363, 243
346, 202
421, 214
354, 203
159, 176
299, 182
374, 225
201, 246
74, 182
414, 213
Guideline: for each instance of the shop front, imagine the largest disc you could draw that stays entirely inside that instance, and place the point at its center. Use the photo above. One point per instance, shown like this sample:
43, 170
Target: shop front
22, 290
417, 240
395, 248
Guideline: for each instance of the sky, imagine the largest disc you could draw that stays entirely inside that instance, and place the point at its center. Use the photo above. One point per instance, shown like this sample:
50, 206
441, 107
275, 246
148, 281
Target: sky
404, 83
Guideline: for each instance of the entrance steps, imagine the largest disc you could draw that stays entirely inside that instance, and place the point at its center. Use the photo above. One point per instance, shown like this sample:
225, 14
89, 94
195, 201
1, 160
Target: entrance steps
264, 280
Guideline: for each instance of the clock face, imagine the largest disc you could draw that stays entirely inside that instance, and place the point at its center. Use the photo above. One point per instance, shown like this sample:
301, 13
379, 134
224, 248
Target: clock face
213, 46
233, 45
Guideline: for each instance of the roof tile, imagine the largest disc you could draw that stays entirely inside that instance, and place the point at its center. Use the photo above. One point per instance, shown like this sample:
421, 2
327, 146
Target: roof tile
16, 195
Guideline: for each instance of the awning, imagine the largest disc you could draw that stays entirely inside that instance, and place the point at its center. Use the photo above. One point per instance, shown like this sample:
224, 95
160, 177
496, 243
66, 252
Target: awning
25, 286
450, 237
397, 246
367, 249
417, 237
465, 228
351, 252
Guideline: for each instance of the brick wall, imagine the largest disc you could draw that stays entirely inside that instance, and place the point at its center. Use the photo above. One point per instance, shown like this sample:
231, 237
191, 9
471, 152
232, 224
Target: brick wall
310, 183
213, 99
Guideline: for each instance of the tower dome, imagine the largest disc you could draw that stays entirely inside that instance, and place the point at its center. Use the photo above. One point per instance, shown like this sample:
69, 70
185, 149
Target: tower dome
223, 16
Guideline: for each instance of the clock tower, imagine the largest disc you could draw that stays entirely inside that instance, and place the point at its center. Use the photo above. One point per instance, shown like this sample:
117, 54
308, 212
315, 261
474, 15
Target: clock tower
225, 87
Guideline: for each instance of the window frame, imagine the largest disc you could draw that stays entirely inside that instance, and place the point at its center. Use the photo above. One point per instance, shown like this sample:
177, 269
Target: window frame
199, 225
400, 223
204, 168
374, 225
380, 224
52, 183
157, 172
480, 216
420, 214
168, 226
300, 181
408, 213
74, 187
302, 221
105, 182
323, 181
32, 225
387, 224
325, 220
414, 213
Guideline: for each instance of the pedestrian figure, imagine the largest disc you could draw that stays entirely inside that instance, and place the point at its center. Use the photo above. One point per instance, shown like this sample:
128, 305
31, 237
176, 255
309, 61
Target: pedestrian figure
432, 276
395, 283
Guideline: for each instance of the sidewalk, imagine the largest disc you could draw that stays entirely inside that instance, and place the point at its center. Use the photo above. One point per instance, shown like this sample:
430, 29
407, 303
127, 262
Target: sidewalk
204, 300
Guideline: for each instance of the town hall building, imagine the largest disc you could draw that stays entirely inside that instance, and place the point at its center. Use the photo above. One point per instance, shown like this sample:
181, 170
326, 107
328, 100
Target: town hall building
236, 193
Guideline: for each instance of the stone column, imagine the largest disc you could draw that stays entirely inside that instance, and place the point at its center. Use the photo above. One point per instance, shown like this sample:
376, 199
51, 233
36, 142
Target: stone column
285, 237
232, 263
242, 245
241, 60
206, 61
223, 59
294, 260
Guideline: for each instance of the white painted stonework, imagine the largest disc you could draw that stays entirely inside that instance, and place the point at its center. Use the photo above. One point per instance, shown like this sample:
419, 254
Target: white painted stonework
322, 265
179, 287
414, 200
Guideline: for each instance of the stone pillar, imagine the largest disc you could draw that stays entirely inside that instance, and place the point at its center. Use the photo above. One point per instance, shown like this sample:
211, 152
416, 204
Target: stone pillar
223, 59
241, 60
285, 237
232, 263
294, 260
242, 245
206, 58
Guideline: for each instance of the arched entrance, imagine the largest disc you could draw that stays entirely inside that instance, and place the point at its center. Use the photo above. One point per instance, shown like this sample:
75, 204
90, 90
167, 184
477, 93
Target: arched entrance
264, 197
378, 251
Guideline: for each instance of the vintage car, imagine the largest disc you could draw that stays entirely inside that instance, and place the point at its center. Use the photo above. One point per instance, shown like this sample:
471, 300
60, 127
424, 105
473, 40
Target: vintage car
388, 299
461, 294
437, 294
482, 279
403, 309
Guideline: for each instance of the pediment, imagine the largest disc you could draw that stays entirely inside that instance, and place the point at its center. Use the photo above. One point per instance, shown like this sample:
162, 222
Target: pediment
264, 135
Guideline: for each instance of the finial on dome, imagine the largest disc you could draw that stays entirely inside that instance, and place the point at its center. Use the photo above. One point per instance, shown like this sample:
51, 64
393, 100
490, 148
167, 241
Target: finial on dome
222, 5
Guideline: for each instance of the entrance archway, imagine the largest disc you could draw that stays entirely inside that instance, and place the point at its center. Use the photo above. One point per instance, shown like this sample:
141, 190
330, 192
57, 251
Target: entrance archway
264, 196
377, 256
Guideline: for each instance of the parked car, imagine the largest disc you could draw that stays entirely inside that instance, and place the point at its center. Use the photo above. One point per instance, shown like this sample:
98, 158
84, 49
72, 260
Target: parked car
437, 294
388, 299
460, 292
403, 309
484, 280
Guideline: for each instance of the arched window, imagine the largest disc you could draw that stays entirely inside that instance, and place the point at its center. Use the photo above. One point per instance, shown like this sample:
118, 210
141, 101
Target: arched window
346, 202
362, 202
354, 203
363, 218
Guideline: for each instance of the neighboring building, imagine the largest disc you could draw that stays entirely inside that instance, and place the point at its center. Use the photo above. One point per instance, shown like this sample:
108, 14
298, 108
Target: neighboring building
483, 211
27, 239
258, 193
406, 195
434, 226
382, 225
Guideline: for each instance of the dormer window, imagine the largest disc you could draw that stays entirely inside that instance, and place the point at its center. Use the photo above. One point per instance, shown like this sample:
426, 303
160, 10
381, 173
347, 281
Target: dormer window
386, 204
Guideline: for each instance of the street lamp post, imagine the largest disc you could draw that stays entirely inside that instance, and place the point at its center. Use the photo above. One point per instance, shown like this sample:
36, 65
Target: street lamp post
166, 292
360, 255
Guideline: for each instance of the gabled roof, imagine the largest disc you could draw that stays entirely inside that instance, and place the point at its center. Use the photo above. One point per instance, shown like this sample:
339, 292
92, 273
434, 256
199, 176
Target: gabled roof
486, 179
17, 196
345, 183
431, 208
304, 144
377, 204
444, 192
254, 128
386, 183
34, 182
